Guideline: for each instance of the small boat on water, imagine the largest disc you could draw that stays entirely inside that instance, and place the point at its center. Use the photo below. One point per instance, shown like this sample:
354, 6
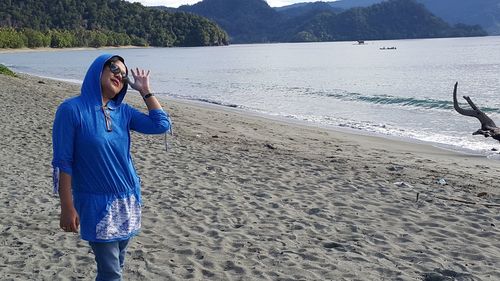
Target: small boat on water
388, 48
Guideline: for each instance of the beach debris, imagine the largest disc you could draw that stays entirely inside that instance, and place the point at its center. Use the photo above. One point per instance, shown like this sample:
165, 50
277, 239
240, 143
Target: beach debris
488, 127
275, 205
426, 197
207, 273
215, 136
395, 168
403, 184
441, 181
41, 82
262, 195
270, 146
482, 194
335, 245
418, 194
313, 211
445, 275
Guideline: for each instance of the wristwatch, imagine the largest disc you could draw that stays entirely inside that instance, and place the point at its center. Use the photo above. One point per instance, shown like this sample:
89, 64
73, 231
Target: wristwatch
148, 96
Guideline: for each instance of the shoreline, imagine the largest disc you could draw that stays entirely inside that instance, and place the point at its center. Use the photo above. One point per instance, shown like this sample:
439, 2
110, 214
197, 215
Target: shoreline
296, 122
49, 49
339, 129
370, 139
306, 124
240, 197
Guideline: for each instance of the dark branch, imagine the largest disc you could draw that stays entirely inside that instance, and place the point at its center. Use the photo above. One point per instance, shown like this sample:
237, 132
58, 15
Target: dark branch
466, 112
488, 127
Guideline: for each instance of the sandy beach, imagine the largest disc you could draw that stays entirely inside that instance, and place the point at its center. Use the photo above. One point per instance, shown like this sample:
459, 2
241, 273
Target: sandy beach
241, 197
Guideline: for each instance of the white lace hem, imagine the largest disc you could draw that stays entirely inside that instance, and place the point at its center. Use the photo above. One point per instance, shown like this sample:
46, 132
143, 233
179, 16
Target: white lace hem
123, 218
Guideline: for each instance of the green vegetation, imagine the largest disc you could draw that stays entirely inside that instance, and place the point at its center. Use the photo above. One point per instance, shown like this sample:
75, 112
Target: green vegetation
247, 21
97, 23
393, 19
30, 38
486, 13
253, 21
483, 12
6, 71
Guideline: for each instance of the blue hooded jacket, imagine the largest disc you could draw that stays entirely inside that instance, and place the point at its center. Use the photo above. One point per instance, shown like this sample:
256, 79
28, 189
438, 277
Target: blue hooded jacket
105, 185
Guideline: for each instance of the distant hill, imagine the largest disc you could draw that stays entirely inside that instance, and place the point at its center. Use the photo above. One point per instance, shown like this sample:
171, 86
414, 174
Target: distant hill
394, 19
251, 21
347, 4
70, 23
246, 21
301, 9
486, 13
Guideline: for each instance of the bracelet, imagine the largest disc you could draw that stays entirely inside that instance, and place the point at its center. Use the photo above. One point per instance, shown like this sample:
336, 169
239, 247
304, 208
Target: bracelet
148, 95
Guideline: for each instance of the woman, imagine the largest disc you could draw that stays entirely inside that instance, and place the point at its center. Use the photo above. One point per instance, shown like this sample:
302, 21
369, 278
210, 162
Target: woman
94, 175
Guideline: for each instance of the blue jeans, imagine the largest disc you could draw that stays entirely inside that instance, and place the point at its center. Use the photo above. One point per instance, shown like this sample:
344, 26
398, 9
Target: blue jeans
110, 258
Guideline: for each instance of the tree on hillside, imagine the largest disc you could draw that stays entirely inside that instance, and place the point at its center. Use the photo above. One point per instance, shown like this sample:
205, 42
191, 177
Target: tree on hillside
253, 21
393, 19
114, 21
247, 21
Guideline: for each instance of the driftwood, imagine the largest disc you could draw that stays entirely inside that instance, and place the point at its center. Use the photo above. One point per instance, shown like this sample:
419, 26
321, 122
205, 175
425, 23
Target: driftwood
488, 127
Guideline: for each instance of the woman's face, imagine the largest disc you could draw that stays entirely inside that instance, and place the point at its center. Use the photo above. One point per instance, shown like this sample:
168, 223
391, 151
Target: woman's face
112, 83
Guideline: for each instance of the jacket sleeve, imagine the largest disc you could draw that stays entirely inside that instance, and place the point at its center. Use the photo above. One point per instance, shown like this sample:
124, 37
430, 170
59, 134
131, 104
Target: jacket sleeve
63, 133
156, 122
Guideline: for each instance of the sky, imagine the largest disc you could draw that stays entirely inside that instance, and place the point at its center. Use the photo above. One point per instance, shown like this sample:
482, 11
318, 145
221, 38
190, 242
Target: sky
177, 3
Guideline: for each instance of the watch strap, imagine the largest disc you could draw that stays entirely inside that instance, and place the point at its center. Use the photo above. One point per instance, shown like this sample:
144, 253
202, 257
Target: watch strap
148, 96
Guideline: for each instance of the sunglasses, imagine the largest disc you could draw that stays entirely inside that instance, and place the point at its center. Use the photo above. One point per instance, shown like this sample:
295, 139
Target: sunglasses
116, 70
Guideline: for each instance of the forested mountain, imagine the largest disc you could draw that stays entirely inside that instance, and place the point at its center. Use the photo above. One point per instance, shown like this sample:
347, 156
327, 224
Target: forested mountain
104, 22
395, 19
249, 21
347, 4
483, 12
302, 9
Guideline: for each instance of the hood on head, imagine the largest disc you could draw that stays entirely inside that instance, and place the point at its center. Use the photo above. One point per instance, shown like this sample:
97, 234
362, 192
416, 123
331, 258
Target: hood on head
91, 90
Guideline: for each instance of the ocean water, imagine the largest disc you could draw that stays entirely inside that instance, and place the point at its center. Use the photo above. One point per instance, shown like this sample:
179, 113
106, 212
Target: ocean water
404, 93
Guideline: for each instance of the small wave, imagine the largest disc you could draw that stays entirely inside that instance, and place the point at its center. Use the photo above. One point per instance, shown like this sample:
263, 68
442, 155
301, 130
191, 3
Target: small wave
204, 100
445, 140
427, 103
217, 102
